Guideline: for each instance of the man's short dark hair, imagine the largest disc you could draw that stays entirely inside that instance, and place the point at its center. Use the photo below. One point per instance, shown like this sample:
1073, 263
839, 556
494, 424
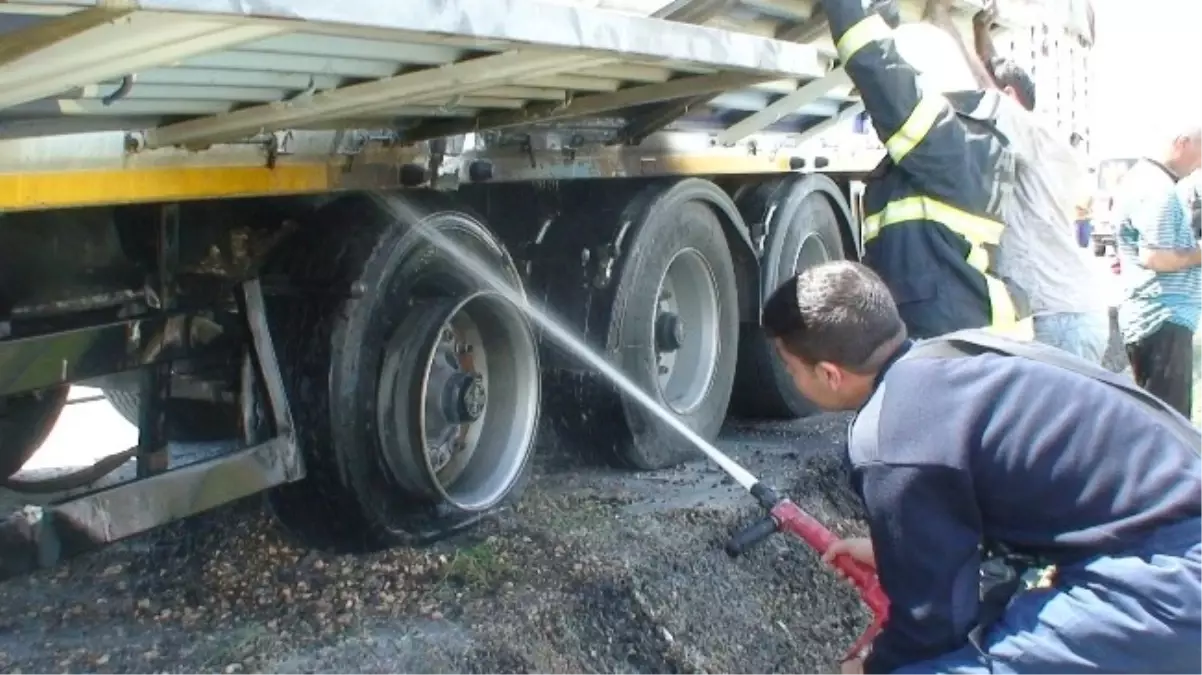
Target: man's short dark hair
1007, 73
839, 312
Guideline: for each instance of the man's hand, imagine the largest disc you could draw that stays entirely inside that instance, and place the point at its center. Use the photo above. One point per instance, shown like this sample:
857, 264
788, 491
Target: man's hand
988, 15
852, 667
857, 548
982, 40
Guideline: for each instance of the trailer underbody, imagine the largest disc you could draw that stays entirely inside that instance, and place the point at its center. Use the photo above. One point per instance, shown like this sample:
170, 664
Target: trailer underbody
199, 214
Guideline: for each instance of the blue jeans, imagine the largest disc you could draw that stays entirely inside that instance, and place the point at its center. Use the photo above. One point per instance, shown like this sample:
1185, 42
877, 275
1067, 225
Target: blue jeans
1136, 612
1083, 335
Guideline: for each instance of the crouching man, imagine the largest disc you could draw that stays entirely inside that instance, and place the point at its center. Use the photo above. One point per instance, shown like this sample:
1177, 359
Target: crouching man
976, 459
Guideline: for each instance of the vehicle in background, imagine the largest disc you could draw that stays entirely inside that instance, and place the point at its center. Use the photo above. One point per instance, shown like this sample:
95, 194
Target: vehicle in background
227, 216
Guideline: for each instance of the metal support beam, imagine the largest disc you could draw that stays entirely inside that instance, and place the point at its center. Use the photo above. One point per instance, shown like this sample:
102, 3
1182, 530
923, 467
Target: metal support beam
783, 106
827, 124
49, 31
42, 536
589, 105
49, 360
651, 121
693, 11
153, 390
268, 367
431, 83
111, 49
700, 11
682, 11
806, 31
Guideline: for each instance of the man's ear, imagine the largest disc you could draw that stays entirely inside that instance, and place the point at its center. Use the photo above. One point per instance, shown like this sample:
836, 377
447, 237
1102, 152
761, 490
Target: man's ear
831, 374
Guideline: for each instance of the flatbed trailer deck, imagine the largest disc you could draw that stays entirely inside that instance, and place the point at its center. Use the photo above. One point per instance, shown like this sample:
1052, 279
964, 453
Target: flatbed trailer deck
201, 74
185, 100
208, 210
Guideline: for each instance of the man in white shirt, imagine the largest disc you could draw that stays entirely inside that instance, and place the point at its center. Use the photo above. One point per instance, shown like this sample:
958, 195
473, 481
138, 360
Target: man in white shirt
1038, 256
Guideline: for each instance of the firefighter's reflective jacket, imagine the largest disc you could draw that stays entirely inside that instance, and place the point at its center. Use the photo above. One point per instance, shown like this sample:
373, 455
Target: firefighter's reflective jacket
934, 206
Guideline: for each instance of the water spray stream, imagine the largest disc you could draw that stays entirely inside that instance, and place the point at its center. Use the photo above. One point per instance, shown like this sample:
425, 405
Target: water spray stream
555, 329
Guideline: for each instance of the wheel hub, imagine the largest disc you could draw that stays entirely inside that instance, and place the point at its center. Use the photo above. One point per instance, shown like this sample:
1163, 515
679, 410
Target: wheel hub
465, 397
458, 399
669, 332
455, 394
685, 331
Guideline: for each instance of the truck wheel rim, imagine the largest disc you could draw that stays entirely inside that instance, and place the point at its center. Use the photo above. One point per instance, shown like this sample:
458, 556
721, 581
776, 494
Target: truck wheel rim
467, 400
479, 401
684, 331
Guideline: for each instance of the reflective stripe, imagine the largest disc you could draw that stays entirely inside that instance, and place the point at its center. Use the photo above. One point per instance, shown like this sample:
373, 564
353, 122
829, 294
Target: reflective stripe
866, 30
979, 259
1004, 320
871, 228
978, 230
916, 127
1003, 315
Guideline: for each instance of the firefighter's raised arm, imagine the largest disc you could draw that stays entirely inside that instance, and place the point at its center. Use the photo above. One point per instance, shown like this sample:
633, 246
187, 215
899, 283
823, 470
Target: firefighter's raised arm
921, 133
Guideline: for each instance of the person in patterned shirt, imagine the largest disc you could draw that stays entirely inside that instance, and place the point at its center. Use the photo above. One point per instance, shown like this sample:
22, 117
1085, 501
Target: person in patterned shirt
1162, 270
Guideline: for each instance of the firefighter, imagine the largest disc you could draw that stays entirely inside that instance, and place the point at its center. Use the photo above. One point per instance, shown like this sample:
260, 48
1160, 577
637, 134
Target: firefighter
933, 205
993, 463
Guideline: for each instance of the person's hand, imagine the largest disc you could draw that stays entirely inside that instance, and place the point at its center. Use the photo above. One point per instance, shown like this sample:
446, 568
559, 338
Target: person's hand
988, 14
857, 548
852, 667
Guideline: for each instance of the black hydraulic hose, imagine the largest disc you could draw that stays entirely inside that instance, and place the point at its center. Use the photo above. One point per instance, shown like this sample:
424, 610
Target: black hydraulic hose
75, 479
127, 83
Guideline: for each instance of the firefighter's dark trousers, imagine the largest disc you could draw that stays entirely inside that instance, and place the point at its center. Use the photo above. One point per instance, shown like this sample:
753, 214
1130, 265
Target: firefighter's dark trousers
1139, 611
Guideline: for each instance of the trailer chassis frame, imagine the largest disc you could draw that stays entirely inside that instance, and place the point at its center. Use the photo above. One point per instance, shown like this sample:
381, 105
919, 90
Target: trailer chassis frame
41, 536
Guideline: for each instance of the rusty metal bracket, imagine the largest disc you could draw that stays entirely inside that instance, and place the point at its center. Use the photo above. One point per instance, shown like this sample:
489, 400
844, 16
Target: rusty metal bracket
152, 455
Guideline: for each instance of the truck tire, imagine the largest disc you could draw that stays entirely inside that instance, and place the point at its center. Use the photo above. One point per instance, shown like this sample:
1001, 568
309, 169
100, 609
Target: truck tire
802, 217
674, 328
187, 421
25, 421
413, 384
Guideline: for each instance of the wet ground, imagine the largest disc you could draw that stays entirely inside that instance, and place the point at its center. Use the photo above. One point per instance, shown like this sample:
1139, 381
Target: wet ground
593, 571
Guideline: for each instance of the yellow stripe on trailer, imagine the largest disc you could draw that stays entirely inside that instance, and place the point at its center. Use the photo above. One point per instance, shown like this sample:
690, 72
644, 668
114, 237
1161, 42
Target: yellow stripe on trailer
62, 189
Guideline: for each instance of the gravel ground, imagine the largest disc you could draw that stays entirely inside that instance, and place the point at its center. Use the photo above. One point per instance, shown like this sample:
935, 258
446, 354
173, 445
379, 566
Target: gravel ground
592, 571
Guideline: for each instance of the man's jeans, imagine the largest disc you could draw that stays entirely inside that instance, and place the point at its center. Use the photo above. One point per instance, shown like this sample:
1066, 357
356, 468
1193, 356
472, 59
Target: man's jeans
1138, 610
1083, 335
